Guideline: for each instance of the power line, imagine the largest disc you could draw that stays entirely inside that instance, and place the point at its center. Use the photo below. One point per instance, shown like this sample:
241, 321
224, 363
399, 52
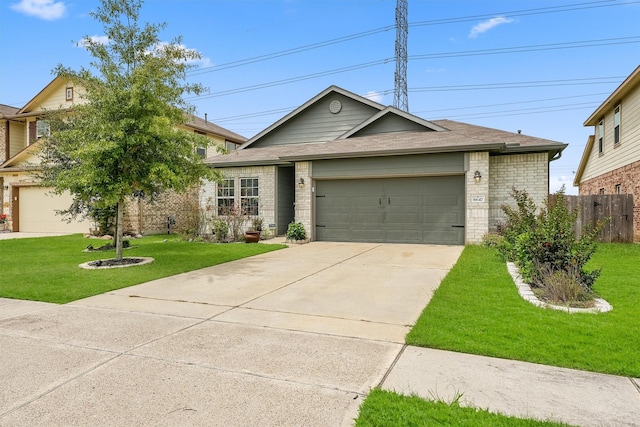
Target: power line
350, 37
515, 49
511, 103
520, 85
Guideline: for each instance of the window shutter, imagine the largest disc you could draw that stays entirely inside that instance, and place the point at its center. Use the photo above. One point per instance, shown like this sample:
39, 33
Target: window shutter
32, 132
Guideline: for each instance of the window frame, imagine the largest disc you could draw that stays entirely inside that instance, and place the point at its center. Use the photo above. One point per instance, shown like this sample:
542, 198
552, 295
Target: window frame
250, 195
600, 133
617, 124
43, 128
225, 196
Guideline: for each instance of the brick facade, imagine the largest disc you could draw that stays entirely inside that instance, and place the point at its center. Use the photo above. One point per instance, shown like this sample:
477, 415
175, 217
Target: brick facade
148, 217
528, 172
477, 197
303, 197
628, 177
4, 156
266, 192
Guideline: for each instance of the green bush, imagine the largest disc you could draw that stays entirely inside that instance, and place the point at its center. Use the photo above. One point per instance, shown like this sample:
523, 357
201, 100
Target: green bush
546, 241
220, 230
296, 231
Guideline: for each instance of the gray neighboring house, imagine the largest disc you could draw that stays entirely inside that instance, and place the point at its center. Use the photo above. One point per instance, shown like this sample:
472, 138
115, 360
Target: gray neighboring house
350, 169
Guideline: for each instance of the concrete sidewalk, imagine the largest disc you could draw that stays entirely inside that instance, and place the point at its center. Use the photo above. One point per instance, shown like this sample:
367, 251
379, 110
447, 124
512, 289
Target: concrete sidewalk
292, 337
520, 389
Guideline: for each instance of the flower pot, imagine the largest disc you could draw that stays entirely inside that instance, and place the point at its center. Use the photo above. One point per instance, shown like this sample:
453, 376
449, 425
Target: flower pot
251, 236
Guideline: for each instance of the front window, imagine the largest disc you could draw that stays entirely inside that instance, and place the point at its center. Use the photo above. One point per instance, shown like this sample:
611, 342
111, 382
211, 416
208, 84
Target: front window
249, 195
601, 136
616, 125
226, 196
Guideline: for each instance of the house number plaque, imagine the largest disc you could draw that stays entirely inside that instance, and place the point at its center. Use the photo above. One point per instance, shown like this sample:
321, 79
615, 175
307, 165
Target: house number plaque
477, 199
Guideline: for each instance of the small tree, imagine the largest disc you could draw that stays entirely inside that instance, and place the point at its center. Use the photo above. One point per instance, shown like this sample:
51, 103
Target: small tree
124, 139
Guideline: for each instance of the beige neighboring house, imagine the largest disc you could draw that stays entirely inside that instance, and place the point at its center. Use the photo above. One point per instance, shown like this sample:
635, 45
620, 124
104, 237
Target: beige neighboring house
351, 169
610, 163
32, 208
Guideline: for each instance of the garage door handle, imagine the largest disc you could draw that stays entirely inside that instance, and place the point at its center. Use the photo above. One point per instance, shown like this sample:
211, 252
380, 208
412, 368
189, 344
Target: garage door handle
458, 226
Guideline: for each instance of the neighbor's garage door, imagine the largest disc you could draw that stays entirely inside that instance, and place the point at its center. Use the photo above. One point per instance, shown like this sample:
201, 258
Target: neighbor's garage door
38, 212
394, 210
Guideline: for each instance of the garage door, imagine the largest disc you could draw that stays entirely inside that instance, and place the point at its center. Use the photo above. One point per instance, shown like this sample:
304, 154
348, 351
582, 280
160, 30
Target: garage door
393, 210
38, 212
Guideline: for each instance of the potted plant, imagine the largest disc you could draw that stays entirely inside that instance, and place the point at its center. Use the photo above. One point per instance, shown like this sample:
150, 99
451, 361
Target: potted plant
253, 234
3, 221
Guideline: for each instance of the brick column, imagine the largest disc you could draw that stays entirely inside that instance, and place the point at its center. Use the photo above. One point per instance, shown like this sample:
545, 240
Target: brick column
477, 198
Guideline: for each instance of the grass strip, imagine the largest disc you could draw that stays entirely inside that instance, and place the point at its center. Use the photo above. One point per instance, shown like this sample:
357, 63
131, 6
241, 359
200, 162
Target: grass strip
388, 409
477, 310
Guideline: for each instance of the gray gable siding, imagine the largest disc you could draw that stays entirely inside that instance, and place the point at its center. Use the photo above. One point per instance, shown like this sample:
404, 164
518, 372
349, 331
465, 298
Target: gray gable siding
391, 123
318, 124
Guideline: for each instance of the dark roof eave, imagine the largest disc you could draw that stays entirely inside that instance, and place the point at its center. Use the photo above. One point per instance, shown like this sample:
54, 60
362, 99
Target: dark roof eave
397, 152
245, 163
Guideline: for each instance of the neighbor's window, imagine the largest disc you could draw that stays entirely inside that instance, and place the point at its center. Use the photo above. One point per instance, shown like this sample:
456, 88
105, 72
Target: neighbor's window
601, 136
42, 128
616, 125
202, 152
249, 195
618, 188
226, 196
601, 191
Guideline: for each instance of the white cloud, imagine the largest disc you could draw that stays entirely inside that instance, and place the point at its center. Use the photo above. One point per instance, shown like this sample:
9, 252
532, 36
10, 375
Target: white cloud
557, 181
374, 96
485, 26
43, 9
96, 39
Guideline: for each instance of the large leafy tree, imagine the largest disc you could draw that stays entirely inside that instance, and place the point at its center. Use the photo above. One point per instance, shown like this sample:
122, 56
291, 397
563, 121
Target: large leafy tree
123, 139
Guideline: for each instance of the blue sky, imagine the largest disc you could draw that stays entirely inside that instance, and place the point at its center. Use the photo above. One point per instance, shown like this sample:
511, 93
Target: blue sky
537, 66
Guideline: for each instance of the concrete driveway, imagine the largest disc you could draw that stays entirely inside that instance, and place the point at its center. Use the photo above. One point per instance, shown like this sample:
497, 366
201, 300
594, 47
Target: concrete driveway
292, 337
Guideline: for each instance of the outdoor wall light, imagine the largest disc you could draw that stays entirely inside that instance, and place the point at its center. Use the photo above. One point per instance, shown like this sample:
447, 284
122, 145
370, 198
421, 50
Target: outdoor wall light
6, 187
301, 183
477, 177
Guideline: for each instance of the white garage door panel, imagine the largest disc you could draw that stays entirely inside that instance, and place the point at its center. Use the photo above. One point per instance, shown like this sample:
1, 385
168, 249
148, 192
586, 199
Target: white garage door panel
38, 212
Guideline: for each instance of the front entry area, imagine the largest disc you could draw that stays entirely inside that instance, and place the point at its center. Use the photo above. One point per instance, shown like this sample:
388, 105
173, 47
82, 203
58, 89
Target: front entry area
392, 210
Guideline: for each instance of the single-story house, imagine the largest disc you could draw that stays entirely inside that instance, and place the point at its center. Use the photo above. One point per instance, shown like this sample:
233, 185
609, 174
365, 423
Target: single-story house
351, 169
32, 208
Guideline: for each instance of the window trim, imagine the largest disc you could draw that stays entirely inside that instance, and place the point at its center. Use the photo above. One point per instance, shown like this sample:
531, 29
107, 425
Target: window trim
43, 128
600, 133
250, 202
225, 193
617, 117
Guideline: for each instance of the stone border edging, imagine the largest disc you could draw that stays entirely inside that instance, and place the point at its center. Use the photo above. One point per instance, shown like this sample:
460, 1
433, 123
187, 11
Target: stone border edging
524, 289
87, 266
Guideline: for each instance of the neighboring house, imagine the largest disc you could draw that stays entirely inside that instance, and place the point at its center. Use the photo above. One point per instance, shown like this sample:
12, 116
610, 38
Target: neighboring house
610, 163
32, 208
350, 169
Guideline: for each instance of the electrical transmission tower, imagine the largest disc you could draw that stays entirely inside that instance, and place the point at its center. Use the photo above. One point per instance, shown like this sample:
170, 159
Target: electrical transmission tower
400, 97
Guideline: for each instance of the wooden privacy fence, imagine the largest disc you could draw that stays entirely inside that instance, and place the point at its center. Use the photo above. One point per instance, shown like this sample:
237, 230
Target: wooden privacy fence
598, 207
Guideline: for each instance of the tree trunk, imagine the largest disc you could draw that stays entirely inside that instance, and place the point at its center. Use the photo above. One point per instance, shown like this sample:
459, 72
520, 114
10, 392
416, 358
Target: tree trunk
119, 229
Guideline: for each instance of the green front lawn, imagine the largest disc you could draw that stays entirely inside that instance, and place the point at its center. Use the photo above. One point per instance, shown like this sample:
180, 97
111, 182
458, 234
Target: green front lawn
46, 268
477, 310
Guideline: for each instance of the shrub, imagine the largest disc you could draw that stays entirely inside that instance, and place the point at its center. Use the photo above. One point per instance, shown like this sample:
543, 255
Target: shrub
562, 287
296, 231
545, 243
519, 220
220, 230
